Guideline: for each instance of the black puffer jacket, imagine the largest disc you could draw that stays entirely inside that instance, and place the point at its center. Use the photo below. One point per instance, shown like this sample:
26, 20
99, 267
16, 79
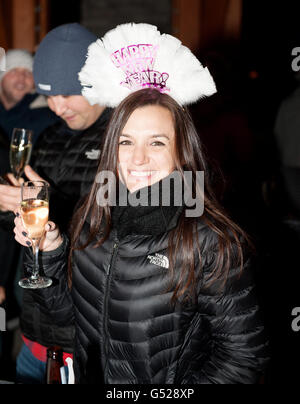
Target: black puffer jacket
127, 331
68, 160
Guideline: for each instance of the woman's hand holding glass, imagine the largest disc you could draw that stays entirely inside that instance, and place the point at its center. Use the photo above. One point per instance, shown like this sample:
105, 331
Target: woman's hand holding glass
50, 242
34, 213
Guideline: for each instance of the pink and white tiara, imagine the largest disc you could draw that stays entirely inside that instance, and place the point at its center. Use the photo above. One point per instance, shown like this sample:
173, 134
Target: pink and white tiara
135, 56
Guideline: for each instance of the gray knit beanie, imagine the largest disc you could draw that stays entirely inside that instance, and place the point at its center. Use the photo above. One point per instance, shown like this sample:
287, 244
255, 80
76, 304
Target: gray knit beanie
59, 59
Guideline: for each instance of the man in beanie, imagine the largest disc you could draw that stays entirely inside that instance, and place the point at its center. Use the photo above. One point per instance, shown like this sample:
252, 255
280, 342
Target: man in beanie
20, 105
67, 156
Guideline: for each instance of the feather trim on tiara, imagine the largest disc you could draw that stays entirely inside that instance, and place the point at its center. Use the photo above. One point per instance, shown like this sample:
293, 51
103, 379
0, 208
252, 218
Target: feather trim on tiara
135, 56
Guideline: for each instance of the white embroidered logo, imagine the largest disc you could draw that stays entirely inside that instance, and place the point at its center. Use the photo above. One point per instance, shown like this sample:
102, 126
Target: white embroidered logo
93, 154
45, 87
159, 260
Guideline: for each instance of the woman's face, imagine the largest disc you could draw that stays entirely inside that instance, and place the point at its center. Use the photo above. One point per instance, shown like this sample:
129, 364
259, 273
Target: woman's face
147, 147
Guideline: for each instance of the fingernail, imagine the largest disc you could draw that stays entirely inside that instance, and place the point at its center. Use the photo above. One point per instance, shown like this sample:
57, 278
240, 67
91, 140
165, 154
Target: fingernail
24, 234
28, 243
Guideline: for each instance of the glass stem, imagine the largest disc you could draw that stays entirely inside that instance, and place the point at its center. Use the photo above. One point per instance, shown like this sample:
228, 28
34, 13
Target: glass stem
35, 250
17, 174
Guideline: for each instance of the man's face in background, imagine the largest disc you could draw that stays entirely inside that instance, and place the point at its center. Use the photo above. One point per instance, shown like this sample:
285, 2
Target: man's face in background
16, 84
75, 110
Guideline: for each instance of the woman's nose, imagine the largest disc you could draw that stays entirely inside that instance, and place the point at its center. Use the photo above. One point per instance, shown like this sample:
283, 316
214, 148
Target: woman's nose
139, 156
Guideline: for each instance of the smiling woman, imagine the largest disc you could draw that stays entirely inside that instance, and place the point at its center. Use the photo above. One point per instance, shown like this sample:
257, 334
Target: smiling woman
146, 148
146, 281
159, 297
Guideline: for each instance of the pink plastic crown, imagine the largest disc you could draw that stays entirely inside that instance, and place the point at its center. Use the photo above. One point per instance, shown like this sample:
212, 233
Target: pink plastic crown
137, 62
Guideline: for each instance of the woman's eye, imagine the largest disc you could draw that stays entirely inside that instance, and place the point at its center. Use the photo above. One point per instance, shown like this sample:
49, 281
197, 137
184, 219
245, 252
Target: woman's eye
157, 144
125, 143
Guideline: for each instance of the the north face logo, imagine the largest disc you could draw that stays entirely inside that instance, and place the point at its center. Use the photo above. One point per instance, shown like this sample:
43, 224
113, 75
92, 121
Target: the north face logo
93, 154
159, 260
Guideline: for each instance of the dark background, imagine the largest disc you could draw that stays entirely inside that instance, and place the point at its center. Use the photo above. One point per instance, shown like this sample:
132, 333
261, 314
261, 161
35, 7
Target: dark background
253, 75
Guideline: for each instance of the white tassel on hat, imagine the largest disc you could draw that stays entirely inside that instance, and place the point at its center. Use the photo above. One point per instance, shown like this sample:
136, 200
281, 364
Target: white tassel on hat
135, 56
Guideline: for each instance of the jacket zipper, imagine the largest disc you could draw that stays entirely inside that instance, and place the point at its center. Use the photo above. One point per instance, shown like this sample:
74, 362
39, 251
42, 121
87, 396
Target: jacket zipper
107, 293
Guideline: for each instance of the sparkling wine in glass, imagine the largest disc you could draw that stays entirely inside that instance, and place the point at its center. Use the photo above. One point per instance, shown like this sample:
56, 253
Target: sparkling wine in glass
35, 213
20, 151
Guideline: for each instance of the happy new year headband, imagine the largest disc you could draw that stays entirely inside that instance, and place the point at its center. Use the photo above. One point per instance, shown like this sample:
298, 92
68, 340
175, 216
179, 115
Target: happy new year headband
136, 56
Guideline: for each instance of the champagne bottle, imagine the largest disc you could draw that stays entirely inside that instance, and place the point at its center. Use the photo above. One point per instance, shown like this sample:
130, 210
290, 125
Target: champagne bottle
55, 366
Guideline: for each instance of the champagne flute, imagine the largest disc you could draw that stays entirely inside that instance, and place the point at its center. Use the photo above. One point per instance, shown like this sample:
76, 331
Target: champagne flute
20, 150
35, 212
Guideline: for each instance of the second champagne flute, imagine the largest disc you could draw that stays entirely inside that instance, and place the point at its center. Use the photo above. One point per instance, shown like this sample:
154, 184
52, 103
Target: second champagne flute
35, 212
20, 150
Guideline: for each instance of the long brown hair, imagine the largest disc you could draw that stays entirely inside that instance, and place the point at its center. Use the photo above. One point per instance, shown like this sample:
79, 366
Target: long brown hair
189, 156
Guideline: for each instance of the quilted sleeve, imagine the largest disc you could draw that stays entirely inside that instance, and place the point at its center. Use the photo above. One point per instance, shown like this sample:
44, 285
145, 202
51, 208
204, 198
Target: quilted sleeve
239, 346
56, 299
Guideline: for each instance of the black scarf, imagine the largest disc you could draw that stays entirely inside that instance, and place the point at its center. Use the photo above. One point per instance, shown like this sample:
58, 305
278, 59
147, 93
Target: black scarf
145, 220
